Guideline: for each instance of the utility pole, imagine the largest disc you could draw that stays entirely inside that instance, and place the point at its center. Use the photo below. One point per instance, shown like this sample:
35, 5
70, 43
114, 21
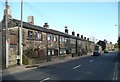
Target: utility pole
6, 34
20, 35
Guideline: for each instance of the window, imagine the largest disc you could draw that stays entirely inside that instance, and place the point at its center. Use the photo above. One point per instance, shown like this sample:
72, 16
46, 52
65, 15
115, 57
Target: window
78, 41
54, 38
13, 39
65, 39
30, 34
49, 37
72, 41
62, 39
53, 52
39, 35
35, 35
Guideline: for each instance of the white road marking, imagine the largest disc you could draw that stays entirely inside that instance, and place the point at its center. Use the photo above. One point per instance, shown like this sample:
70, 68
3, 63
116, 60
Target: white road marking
91, 60
44, 79
76, 66
115, 75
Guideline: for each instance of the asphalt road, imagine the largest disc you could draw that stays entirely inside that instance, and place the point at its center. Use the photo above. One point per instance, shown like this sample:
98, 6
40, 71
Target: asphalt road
85, 68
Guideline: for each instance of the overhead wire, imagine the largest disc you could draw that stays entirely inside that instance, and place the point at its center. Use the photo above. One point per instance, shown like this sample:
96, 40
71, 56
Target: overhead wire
31, 8
39, 13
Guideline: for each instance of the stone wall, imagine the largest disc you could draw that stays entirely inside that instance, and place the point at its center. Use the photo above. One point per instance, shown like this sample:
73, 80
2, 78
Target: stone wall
34, 43
12, 45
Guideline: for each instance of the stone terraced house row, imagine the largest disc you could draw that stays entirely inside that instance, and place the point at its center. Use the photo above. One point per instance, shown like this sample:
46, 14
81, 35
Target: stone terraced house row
40, 43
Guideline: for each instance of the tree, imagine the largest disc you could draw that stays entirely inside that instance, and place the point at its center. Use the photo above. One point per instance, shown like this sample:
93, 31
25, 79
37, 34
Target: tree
116, 45
102, 44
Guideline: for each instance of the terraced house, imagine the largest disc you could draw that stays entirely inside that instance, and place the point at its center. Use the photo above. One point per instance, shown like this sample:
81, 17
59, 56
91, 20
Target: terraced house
40, 43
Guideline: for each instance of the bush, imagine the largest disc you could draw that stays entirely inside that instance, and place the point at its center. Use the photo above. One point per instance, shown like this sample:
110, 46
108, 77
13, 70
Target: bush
29, 53
25, 60
85, 50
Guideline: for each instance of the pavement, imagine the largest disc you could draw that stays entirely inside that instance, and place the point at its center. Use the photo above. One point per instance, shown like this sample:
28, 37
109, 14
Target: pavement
17, 69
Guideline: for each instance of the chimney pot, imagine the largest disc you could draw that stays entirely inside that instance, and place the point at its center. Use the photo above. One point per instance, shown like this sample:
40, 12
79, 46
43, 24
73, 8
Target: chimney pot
82, 36
46, 25
85, 38
73, 33
88, 39
66, 30
78, 35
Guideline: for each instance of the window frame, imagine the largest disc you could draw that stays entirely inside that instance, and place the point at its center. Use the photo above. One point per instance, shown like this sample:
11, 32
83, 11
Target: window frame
30, 34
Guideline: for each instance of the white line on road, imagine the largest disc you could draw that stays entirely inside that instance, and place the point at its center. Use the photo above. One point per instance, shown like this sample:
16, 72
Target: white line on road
115, 76
91, 60
76, 66
44, 79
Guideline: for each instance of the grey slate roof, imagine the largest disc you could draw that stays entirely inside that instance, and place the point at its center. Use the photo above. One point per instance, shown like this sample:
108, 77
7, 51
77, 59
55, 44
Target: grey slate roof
42, 29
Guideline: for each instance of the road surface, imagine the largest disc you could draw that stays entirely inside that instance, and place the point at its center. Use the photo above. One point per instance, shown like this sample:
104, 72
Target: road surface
85, 68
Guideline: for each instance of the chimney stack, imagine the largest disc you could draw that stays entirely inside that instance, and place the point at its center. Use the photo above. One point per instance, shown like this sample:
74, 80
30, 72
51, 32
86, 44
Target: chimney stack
31, 20
78, 35
73, 33
82, 36
46, 25
85, 38
8, 12
88, 39
66, 30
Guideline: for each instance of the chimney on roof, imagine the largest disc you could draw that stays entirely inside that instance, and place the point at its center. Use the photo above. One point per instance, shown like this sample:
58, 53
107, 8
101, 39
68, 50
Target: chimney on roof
73, 33
88, 39
66, 30
31, 20
46, 25
85, 38
82, 36
8, 12
78, 35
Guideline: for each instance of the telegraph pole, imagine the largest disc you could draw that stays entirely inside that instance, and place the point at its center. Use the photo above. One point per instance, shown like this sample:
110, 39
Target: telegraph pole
20, 35
6, 34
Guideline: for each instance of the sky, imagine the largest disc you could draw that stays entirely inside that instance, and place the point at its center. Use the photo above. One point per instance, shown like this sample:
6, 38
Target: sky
94, 20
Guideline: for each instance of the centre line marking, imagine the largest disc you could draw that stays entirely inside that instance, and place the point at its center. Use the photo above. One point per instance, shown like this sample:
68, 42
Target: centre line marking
44, 79
115, 75
91, 60
76, 66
